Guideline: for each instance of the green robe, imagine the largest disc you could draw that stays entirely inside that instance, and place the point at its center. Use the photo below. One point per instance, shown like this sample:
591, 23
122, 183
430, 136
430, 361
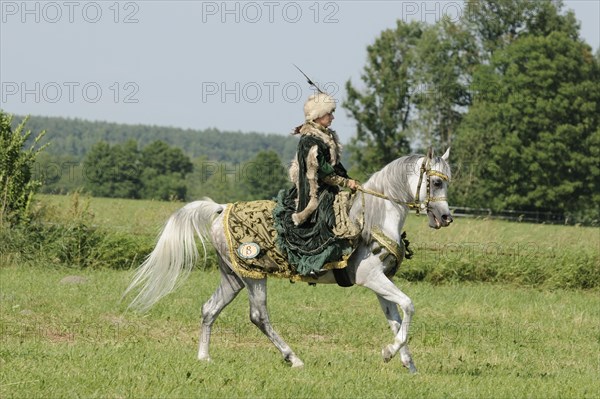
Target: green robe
311, 244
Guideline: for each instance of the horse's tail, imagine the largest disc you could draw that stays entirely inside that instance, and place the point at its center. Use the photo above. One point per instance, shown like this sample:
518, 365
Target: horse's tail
175, 253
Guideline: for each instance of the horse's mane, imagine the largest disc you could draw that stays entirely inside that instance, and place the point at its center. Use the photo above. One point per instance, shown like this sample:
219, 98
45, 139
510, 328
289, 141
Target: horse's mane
392, 181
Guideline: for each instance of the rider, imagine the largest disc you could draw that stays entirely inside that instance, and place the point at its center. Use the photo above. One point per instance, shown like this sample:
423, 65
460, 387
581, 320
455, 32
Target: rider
304, 216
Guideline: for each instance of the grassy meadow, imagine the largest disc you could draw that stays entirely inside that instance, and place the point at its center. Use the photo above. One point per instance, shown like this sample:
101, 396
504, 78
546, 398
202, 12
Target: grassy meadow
495, 317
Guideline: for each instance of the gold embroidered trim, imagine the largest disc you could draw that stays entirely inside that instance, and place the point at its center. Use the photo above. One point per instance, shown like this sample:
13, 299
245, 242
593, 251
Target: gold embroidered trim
390, 245
232, 254
253, 222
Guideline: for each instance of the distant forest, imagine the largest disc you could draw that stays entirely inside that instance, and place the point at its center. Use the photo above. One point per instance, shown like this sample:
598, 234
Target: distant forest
75, 137
138, 161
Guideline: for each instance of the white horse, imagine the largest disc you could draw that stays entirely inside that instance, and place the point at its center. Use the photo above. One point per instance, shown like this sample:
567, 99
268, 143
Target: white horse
400, 187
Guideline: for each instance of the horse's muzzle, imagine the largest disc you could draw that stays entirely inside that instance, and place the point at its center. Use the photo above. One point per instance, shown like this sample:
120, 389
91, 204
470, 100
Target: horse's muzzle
447, 219
438, 222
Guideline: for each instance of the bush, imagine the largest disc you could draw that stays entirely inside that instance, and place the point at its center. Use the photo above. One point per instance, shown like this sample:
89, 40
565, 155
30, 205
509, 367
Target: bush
568, 270
17, 184
76, 242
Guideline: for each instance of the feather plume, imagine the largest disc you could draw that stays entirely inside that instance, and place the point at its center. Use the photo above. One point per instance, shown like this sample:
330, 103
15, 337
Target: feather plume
310, 82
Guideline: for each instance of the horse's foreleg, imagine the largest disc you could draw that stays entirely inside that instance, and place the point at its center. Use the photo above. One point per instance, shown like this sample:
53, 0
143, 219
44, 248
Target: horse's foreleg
390, 309
384, 288
228, 289
257, 294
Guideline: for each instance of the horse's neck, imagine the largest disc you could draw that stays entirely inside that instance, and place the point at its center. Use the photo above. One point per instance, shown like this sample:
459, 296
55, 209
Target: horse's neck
384, 214
395, 216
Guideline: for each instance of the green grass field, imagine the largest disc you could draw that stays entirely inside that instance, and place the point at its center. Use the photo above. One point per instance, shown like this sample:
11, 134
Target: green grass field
468, 339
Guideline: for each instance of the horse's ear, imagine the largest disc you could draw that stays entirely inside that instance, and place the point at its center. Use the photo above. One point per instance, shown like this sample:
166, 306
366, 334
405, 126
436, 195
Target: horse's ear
446, 155
430, 153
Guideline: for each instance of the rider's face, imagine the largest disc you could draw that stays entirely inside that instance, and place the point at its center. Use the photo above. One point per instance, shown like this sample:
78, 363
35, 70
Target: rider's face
325, 120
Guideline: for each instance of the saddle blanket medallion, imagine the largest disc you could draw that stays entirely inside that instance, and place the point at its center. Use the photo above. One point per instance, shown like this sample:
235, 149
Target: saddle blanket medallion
251, 238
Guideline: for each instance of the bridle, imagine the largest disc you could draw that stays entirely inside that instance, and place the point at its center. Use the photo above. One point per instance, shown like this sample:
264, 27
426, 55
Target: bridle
417, 205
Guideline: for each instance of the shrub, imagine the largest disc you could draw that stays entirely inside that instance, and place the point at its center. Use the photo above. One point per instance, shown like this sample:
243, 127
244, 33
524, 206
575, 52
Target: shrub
568, 270
75, 242
17, 184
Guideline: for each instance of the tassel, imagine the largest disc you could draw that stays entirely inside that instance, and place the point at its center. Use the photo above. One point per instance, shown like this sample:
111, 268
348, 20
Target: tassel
408, 253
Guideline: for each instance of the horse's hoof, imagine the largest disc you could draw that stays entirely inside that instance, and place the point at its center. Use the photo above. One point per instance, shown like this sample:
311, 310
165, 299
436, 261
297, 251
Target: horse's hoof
411, 368
206, 359
297, 363
387, 353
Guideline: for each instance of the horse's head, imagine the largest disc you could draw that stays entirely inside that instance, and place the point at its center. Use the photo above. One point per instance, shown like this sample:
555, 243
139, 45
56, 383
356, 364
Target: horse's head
416, 182
437, 172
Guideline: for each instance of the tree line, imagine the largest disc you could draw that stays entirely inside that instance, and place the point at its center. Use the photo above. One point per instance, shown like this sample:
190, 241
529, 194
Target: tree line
161, 172
150, 162
74, 138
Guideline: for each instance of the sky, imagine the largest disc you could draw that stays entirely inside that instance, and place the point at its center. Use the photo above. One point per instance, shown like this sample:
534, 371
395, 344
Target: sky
200, 64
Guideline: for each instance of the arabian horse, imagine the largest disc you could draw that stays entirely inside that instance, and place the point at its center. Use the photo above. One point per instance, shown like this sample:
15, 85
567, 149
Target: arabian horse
413, 181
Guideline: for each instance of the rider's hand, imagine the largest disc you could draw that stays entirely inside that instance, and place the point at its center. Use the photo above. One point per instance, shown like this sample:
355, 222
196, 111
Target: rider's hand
353, 185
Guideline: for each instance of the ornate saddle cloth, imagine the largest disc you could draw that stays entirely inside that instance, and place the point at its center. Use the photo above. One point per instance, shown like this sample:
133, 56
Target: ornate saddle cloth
251, 238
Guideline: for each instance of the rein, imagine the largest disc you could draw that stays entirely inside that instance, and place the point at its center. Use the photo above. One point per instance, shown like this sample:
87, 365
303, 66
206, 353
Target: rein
416, 204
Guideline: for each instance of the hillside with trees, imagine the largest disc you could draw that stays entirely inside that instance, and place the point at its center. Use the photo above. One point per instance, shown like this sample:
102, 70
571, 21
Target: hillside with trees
163, 163
75, 137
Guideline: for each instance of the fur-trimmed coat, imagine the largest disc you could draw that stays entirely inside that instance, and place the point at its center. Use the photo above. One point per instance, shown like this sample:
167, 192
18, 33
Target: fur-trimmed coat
304, 216
317, 163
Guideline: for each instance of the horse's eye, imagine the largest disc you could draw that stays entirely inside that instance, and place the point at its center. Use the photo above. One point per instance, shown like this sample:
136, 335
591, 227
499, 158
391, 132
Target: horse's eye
437, 183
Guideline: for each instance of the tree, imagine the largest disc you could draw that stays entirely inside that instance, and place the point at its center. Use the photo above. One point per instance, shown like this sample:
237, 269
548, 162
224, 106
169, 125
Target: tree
127, 170
156, 172
446, 55
165, 187
164, 159
417, 87
512, 86
60, 174
498, 23
17, 183
216, 180
264, 176
382, 110
97, 168
532, 133
113, 171
164, 170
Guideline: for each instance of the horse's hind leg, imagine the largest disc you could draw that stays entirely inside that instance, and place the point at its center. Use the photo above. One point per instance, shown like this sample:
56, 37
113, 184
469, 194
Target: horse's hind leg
257, 294
390, 309
228, 289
